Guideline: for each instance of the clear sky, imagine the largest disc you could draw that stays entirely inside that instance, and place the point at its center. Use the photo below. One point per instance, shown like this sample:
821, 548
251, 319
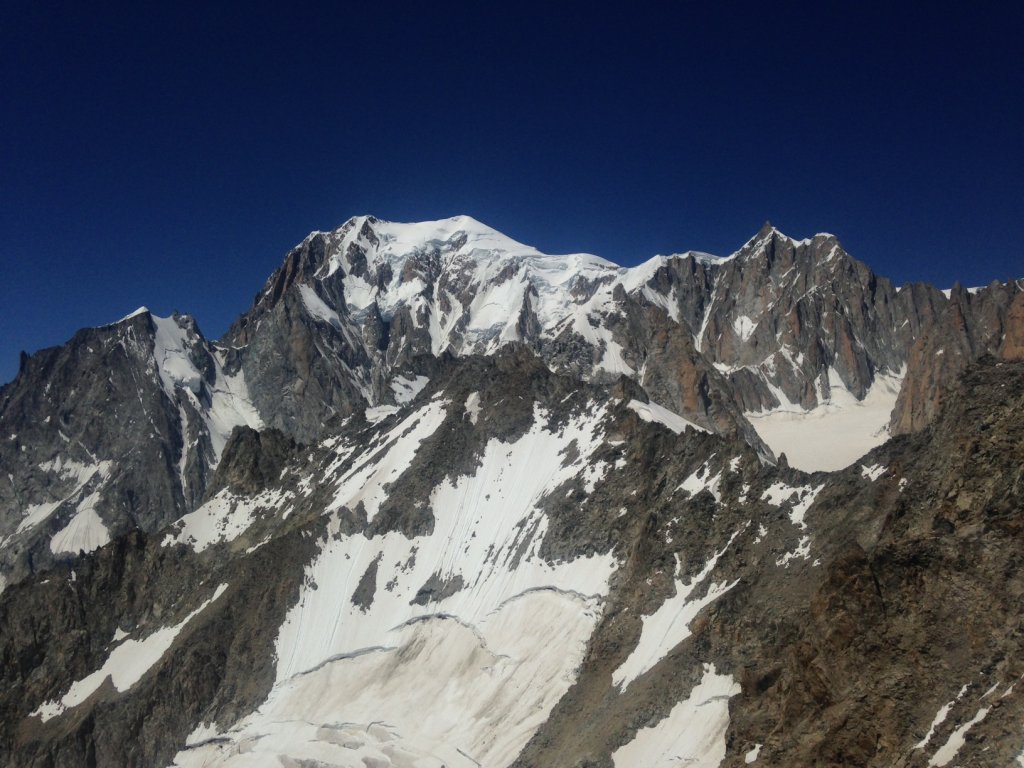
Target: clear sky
171, 157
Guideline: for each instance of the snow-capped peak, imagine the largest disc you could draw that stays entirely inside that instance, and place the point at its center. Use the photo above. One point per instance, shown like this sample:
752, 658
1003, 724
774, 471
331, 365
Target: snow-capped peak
129, 316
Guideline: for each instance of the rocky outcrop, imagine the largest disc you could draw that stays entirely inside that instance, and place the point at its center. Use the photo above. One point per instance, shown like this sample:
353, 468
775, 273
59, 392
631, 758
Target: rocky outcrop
970, 324
252, 461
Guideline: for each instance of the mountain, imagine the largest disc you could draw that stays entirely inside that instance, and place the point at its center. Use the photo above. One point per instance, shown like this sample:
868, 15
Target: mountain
118, 429
438, 498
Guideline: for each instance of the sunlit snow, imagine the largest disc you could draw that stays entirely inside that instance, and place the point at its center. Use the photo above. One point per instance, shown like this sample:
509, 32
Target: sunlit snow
660, 415
693, 734
836, 433
125, 665
668, 626
461, 677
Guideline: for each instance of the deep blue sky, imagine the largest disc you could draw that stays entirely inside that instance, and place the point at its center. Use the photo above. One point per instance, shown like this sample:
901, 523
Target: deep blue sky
170, 158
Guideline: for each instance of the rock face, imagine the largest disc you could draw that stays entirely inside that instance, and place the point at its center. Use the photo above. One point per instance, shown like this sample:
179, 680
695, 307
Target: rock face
118, 429
438, 498
975, 322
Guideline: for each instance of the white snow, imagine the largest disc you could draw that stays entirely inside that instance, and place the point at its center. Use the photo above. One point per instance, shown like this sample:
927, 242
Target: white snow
873, 472
743, 327
693, 734
380, 412
442, 693
65, 469
702, 479
462, 680
481, 281
125, 665
939, 719
317, 307
837, 432
945, 754
85, 532
473, 406
230, 404
659, 414
365, 481
780, 493
171, 345
130, 315
612, 360
669, 625
753, 754
406, 389
225, 517
802, 552
201, 733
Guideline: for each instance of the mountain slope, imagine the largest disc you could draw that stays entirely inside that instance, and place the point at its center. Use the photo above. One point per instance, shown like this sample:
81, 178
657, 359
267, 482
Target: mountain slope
517, 568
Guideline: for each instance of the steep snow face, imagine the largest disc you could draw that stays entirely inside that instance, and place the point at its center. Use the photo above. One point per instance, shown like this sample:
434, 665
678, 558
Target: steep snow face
365, 484
447, 648
175, 351
837, 432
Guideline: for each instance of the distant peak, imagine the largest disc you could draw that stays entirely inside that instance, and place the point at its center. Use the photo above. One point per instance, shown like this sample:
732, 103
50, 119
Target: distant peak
130, 315
452, 223
769, 232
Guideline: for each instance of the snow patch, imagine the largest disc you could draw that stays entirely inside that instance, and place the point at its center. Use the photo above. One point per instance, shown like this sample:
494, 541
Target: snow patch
125, 665
225, 517
669, 625
693, 734
702, 480
66, 469
655, 413
780, 493
406, 389
473, 407
945, 754
380, 412
939, 719
743, 327
873, 472
837, 432
85, 532
317, 307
